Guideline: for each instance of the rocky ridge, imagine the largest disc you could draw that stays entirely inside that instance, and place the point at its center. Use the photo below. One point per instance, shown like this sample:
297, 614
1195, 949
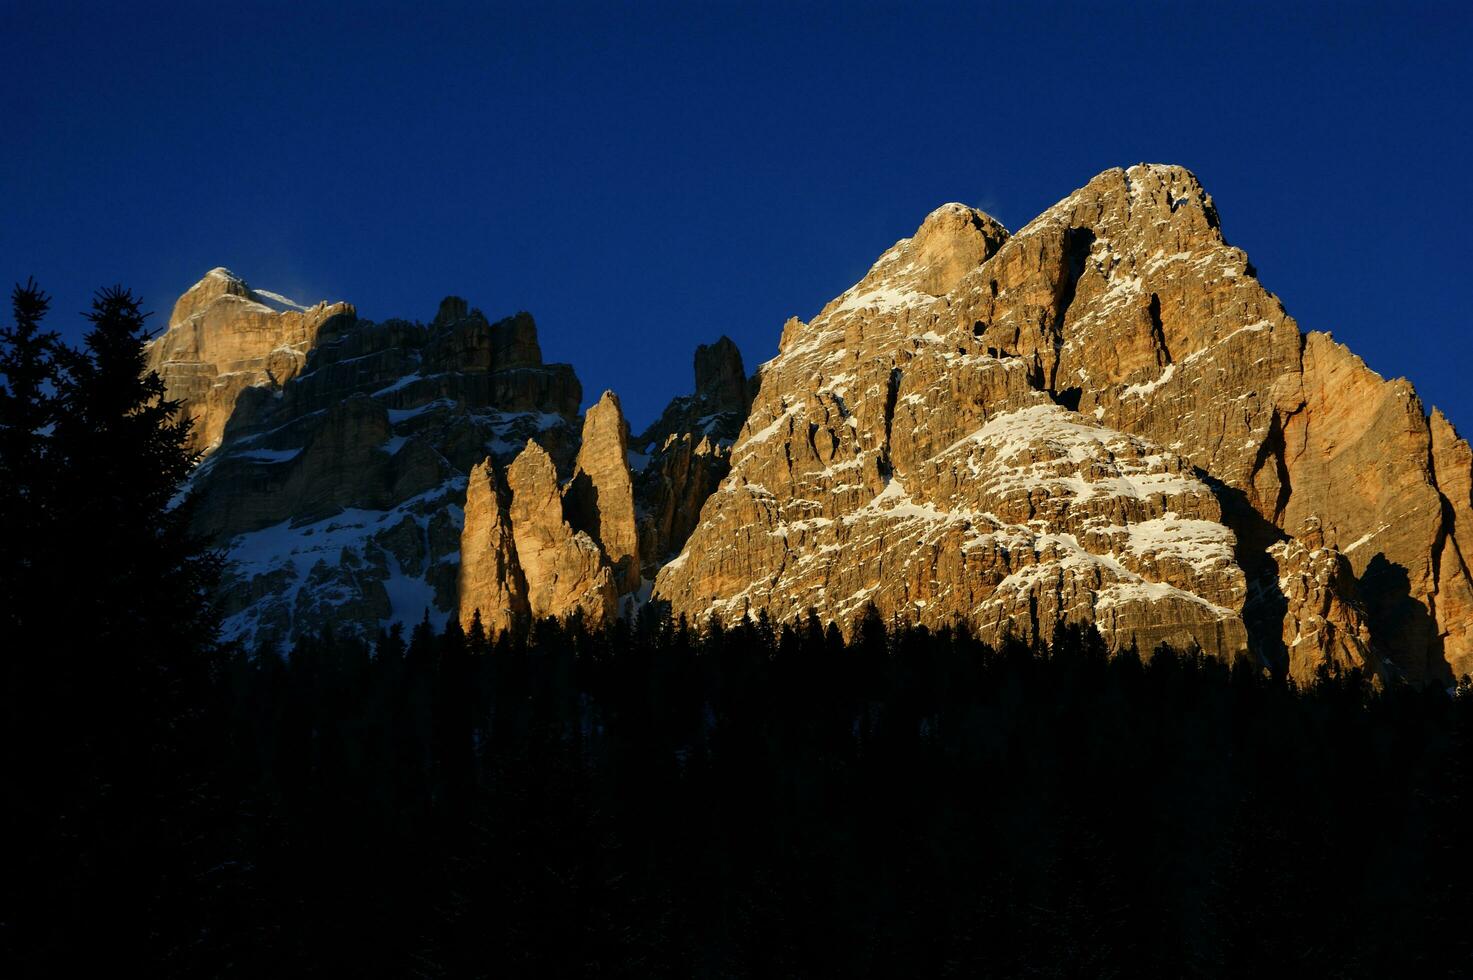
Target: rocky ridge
1104, 417
338, 492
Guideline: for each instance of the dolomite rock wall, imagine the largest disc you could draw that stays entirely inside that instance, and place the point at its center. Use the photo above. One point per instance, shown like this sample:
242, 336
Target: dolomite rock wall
1104, 417
339, 488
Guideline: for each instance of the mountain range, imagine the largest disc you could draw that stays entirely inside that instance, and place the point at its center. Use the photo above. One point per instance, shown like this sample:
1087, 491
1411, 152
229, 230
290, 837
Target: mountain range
1103, 417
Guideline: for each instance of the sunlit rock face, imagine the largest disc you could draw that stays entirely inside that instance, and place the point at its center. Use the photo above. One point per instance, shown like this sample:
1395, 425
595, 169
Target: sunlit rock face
1105, 418
600, 499
1324, 621
571, 549
519, 555
225, 337
565, 570
491, 582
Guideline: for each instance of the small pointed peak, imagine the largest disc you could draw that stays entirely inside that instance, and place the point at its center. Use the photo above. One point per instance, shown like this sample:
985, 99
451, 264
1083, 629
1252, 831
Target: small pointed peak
220, 280
1442, 425
452, 309
1171, 186
1171, 182
605, 416
1310, 533
533, 454
724, 345
534, 472
721, 378
950, 207
214, 284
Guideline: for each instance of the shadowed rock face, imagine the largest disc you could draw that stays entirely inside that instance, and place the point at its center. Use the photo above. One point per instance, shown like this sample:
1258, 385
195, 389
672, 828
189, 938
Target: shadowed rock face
721, 381
685, 454
1104, 417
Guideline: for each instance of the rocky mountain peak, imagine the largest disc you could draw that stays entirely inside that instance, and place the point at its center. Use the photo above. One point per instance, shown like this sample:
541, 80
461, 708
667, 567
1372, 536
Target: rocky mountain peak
343, 462
952, 241
214, 284
225, 337
491, 581
514, 342
548, 549
220, 283
1104, 417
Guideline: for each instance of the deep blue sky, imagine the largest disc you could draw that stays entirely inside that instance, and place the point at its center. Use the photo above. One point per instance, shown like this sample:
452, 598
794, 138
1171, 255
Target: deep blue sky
646, 177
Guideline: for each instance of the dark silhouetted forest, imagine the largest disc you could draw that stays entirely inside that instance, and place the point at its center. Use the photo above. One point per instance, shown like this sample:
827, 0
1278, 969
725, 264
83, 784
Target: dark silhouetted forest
658, 798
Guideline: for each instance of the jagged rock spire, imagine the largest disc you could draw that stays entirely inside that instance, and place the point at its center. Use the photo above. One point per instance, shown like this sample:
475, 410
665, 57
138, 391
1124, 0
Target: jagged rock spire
565, 570
600, 498
491, 579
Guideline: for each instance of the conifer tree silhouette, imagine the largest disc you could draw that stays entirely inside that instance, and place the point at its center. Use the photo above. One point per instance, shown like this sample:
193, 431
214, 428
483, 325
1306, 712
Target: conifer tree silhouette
108, 598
